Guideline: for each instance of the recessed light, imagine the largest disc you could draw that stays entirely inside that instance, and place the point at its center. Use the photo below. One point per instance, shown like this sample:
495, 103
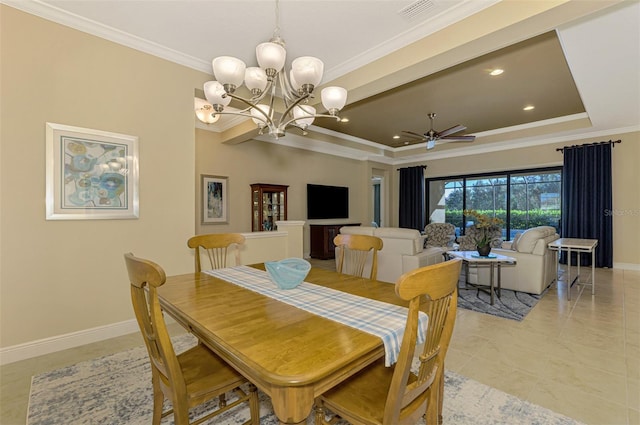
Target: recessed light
496, 71
345, 119
396, 137
406, 143
528, 108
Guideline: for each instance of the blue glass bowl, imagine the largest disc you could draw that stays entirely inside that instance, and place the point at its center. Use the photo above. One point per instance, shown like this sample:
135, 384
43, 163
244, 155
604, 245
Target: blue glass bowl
288, 273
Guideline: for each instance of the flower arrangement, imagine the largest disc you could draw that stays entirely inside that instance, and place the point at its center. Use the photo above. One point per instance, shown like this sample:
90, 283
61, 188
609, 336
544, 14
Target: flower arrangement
484, 222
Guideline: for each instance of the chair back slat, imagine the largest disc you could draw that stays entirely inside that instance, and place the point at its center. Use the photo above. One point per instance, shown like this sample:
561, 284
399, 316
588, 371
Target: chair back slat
433, 287
215, 247
354, 250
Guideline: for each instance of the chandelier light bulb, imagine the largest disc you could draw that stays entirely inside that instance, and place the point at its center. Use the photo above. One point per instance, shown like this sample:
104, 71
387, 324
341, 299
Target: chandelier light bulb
304, 115
307, 71
334, 98
255, 79
229, 71
215, 94
258, 118
271, 57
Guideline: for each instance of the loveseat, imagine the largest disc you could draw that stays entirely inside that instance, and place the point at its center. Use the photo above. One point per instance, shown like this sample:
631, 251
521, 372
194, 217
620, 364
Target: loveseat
535, 267
402, 250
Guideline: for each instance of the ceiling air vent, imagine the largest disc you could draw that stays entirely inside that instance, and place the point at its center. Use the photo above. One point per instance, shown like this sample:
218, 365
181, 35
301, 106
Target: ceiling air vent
416, 9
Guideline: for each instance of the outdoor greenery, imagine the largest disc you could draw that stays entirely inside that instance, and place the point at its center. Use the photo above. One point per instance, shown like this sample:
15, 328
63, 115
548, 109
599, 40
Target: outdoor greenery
520, 220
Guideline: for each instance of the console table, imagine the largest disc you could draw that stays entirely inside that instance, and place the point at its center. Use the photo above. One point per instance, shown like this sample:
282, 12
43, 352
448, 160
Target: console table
321, 239
575, 245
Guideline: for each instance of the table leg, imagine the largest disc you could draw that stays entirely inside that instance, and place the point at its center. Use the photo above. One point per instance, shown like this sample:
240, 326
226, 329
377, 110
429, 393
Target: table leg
499, 279
593, 271
491, 283
569, 274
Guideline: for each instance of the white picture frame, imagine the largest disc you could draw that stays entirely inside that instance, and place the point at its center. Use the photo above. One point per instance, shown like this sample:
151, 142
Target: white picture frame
90, 174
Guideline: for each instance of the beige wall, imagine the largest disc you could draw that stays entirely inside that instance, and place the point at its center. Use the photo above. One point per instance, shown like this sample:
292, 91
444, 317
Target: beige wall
60, 277
261, 162
626, 181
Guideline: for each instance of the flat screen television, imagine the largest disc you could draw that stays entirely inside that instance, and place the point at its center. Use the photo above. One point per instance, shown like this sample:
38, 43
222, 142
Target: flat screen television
327, 202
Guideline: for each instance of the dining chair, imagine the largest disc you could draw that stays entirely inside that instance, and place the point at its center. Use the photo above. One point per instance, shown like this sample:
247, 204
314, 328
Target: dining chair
353, 252
187, 379
397, 395
216, 246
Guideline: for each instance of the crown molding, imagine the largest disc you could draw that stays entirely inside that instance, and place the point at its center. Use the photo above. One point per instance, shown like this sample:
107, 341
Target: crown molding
60, 16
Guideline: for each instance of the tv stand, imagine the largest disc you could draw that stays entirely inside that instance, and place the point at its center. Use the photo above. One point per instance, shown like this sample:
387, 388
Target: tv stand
321, 239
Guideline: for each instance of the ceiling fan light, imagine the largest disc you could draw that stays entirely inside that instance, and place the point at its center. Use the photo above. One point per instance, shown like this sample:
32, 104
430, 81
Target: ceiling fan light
304, 115
229, 71
271, 56
431, 144
307, 70
255, 79
215, 94
334, 98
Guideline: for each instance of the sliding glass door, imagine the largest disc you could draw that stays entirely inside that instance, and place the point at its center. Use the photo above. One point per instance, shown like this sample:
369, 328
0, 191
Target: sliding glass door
521, 198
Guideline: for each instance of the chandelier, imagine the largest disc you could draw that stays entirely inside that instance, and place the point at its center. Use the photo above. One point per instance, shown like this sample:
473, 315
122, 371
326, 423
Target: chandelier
267, 82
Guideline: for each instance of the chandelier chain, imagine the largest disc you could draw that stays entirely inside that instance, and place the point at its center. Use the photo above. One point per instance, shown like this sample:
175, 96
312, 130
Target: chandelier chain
276, 30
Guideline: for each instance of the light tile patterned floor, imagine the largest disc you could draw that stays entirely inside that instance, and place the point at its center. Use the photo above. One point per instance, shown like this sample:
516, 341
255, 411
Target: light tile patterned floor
580, 358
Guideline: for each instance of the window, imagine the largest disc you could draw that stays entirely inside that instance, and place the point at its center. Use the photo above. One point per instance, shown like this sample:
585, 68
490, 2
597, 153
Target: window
522, 199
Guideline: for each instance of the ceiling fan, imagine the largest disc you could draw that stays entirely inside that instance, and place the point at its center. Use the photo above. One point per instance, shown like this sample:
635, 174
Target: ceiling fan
432, 136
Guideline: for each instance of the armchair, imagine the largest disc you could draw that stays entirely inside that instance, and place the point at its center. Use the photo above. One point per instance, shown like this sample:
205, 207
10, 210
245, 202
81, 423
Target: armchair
535, 267
440, 234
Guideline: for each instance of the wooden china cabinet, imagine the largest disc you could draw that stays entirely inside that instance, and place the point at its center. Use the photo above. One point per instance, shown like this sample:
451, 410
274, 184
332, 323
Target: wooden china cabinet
268, 205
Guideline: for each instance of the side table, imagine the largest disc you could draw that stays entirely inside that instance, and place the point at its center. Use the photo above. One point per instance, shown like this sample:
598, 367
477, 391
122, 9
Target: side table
493, 261
575, 245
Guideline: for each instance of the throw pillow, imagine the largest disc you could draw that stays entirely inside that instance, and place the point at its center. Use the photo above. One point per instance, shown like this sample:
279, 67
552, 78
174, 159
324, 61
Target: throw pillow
514, 243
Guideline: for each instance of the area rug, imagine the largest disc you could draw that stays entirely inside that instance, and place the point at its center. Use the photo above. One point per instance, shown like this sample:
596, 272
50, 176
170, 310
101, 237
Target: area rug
512, 305
116, 389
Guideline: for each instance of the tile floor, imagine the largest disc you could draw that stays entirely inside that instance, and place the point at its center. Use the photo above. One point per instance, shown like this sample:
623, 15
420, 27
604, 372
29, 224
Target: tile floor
579, 357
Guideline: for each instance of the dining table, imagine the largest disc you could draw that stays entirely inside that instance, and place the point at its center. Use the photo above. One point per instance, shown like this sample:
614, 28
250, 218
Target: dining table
291, 354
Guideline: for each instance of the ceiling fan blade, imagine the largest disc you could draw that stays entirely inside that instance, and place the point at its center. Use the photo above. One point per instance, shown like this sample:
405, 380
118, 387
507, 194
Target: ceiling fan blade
458, 138
421, 136
448, 131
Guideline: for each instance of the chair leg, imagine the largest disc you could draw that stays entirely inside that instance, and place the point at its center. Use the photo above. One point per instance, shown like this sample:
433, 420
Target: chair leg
431, 416
254, 405
158, 399
180, 412
222, 400
441, 396
320, 416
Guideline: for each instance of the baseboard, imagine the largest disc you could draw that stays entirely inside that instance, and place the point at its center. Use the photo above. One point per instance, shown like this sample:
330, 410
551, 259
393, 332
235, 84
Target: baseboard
626, 266
62, 342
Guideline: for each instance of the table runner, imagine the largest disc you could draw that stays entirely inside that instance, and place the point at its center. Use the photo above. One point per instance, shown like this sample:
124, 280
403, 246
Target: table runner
386, 321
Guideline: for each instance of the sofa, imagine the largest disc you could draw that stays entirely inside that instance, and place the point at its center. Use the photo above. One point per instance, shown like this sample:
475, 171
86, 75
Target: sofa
402, 250
535, 267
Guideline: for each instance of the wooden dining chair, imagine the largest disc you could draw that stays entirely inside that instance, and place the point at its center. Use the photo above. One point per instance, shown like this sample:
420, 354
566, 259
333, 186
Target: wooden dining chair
216, 247
395, 395
353, 254
187, 379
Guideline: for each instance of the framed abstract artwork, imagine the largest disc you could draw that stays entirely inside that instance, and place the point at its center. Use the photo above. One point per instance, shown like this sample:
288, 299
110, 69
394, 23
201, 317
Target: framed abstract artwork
215, 205
90, 174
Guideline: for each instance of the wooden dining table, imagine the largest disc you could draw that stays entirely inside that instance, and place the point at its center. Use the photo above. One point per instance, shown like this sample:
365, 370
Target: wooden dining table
290, 354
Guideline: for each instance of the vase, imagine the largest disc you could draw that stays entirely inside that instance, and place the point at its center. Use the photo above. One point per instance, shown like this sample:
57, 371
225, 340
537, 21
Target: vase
484, 250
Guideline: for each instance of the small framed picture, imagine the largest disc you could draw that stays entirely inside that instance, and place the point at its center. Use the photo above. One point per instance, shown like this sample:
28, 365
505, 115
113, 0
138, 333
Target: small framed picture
215, 205
90, 174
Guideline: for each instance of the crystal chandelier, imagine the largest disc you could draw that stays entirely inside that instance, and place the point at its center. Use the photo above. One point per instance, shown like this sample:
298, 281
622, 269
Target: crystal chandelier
266, 82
